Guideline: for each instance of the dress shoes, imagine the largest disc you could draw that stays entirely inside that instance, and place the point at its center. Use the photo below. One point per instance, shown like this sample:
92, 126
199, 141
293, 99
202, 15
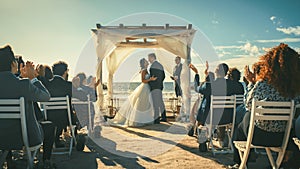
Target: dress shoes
202, 147
191, 132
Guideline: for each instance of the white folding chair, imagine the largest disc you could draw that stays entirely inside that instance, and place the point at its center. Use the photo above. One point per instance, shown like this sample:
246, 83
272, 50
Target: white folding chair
239, 99
15, 109
87, 102
61, 103
267, 110
221, 102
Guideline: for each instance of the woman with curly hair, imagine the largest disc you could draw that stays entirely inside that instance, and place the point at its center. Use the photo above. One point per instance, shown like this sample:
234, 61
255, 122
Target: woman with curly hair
278, 80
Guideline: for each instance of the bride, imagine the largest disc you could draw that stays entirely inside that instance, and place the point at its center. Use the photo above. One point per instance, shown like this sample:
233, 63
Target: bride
137, 110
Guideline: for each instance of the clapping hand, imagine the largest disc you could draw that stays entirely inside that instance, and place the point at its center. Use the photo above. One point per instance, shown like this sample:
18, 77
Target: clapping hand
249, 76
94, 83
206, 69
76, 82
28, 70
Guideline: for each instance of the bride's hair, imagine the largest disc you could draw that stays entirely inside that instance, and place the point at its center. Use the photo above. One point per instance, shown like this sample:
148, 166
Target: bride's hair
142, 63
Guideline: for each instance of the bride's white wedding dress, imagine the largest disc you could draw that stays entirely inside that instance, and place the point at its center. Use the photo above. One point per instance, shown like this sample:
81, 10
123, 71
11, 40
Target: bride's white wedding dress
137, 110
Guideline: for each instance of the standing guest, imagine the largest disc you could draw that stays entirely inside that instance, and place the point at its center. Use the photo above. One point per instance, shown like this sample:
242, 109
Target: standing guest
12, 87
59, 87
278, 80
176, 76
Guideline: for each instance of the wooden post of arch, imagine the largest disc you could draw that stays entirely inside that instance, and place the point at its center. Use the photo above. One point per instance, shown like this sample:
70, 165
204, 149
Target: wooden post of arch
189, 59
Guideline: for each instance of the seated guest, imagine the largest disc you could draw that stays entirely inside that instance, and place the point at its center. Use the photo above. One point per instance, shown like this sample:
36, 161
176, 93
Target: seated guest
81, 91
235, 75
278, 80
12, 87
199, 88
59, 87
48, 127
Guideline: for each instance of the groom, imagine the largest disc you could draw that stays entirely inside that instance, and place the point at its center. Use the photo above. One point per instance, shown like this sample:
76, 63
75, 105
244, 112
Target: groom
156, 87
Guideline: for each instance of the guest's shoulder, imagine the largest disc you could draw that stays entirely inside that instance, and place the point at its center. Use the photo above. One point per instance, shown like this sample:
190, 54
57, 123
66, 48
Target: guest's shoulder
262, 84
24, 81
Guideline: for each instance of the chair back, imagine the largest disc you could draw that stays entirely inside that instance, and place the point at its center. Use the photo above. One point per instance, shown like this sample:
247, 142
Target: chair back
270, 111
61, 103
57, 103
14, 109
239, 99
218, 107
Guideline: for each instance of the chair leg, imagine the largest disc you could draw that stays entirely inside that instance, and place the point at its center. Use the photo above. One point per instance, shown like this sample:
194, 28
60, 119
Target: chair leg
71, 146
244, 158
73, 133
230, 145
3, 157
279, 158
30, 158
73, 139
271, 159
211, 143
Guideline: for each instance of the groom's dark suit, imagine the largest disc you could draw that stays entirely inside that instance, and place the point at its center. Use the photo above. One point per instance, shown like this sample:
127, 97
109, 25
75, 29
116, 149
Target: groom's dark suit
156, 87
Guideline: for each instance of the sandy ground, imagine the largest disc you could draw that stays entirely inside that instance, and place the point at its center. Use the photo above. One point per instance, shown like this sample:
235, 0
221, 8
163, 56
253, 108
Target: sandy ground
120, 147
181, 155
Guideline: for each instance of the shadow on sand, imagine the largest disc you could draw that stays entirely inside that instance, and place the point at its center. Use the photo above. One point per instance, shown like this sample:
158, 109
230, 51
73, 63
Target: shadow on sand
110, 159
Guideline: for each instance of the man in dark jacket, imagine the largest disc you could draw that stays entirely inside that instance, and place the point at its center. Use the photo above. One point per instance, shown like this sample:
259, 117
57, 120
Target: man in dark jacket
12, 87
59, 87
218, 87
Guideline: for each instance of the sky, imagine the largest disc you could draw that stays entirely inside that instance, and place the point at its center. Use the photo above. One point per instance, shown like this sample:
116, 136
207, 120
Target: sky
47, 31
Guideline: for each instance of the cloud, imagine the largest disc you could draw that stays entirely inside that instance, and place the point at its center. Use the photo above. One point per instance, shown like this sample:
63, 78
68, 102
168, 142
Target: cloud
297, 50
250, 49
286, 40
247, 49
290, 30
272, 18
227, 47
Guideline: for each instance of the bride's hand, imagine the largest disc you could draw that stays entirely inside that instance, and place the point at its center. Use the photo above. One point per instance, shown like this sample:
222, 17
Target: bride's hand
152, 78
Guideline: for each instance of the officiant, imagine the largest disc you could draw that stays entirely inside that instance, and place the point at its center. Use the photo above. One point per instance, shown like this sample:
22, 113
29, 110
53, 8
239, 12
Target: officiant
176, 76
